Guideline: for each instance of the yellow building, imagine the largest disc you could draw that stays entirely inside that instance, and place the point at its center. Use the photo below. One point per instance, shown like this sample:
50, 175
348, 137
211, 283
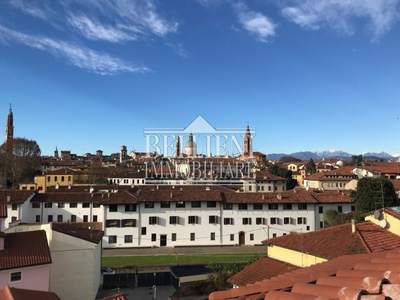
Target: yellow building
331, 180
62, 177
388, 218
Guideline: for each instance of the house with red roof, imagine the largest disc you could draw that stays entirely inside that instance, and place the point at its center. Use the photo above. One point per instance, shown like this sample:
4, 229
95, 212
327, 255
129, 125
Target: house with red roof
12, 293
25, 260
75, 270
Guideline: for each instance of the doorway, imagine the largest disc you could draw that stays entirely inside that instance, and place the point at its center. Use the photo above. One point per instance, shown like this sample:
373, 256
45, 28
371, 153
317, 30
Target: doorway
163, 240
241, 238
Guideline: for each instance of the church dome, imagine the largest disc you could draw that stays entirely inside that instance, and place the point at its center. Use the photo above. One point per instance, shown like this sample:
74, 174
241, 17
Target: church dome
190, 146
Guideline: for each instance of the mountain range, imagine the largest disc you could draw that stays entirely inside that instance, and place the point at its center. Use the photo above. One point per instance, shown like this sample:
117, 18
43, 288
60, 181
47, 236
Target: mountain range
319, 155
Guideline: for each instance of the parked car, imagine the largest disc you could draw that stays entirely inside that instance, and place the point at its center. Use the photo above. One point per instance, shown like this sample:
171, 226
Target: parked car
107, 271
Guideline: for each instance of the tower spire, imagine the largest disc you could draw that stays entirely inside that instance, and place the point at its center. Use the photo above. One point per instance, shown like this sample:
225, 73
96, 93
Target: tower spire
9, 126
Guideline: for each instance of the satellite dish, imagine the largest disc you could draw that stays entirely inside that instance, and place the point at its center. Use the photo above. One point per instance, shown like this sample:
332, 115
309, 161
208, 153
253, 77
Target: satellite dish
377, 214
383, 223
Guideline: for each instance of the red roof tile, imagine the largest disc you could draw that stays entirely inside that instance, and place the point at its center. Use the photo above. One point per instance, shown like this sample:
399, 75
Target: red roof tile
3, 211
344, 281
120, 296
23, 249
15, 196
339, 240
263, 268
12, 293
90, 235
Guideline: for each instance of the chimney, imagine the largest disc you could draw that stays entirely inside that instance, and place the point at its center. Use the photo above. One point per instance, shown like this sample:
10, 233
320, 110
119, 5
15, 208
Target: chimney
353, 226
91, 190
263, 196
294, 190
108, 195
69, 186
279, 196
171, 195
8, 198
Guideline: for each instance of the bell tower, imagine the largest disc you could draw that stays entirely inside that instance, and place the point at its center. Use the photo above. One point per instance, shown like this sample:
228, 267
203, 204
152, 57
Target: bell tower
177, 147
247, 142
9, 127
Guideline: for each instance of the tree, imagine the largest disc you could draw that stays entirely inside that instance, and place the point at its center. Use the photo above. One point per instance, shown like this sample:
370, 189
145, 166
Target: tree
333, 218
329, 216
356, 160
374, 193
97, 173
287, 159
19, 162
311, 168
285, 173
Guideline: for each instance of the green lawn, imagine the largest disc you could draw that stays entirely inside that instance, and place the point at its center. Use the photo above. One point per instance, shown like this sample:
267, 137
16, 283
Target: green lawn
119, 261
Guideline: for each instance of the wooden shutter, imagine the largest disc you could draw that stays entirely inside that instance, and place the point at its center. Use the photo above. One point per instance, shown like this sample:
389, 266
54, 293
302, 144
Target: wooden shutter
277, 221
249, 221
263, 221
304, 221
291, 220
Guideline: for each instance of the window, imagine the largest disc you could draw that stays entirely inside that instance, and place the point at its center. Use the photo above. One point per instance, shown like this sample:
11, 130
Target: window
69, 178
153, 237
287, 206
353, 208
251, 236
128, 223
55, 178
193, 219
62, 178
211, 204
144, 230
242, 206
153, 220
212, 237
274, 235
165, 204
15, 276
35, 205
113, 223
173, 238
85, 218
228, 206
73, 205
257, 206
113, 208
232, 237
48, 178
260, 221
213, 219
48, 205
320, 209
273, 206
287, 221
95, 218
85, 205
14, 207
37, 218
301, 220
128, 239
249, 187
130, 207
112, 239
13, 219
246, 221
96, 205
308, 227
173, 220
321, 224
302, 206
73, 218
192, 236
196, 204
50, 218
274, 221
59, 218
340, 209
180, 204
149, 205
61, 205
228, 221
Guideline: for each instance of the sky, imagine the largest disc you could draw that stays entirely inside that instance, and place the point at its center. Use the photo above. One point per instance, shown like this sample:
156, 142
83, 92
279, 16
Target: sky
308, 75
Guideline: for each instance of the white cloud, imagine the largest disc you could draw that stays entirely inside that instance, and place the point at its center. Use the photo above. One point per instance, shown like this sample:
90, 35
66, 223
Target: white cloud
79, 56
340, 14
94, 30
254, 22
30, 9
178, 48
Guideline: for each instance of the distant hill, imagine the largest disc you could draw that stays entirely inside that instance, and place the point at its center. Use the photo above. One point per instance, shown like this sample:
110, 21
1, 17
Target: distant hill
319, 155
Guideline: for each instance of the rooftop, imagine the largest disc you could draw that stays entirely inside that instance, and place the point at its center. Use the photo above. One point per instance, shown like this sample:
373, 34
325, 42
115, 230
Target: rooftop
11, 293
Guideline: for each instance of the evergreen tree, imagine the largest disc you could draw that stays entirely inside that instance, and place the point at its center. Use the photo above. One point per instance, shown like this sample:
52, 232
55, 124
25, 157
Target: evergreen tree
311, 168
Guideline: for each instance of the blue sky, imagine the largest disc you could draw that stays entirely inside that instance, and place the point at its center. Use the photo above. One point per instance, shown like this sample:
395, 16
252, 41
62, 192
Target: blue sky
308, 75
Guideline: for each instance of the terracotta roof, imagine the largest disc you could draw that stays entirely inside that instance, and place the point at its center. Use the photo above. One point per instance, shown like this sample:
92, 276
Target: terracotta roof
64, 171
90, 235
331, 196
120, 296
265, 175
11, 293
346, 277
263, 268
23, 249
339, 240
337, 175
15, 196
396, 184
